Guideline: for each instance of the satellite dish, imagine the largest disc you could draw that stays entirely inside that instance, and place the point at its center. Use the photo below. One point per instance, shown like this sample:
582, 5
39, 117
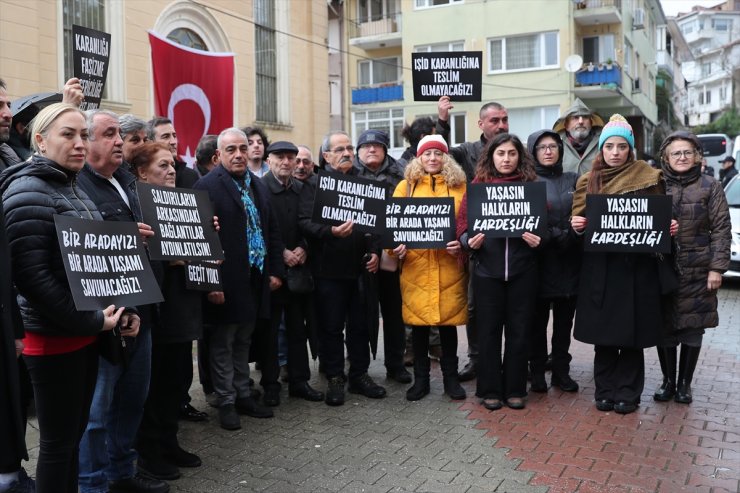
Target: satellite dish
573, 63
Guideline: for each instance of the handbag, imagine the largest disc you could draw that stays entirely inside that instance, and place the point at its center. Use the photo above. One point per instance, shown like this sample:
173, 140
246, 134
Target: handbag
112, 346
388, 263
299, 279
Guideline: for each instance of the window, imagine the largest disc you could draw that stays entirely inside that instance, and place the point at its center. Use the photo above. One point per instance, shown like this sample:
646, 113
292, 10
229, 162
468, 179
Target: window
689, 27
705, 97
423, 4
451, 46
379, 71
598, 49
458, 128
706, 69
724, 25
187, 37
524, 121
722, 94
265, 60
389, 120
523, 52
373, 10
90, 14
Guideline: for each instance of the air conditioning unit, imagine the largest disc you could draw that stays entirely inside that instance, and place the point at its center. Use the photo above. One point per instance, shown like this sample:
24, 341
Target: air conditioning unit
638, 19
636, 85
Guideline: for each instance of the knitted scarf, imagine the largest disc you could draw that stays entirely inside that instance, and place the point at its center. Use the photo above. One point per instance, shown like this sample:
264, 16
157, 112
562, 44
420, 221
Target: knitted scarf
630, 177
255, 240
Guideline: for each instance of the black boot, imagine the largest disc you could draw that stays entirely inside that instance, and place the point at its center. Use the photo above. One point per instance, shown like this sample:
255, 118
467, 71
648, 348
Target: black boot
686, 367
422, 364
421, 378
450, 379
667, 358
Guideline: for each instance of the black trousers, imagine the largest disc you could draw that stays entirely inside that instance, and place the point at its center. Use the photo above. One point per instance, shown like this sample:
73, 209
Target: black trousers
204, 365
291, 308
563, 311
338, 304
63, 386
619, 373
186, 376
389, 296
504, 308
159, 423
447, 338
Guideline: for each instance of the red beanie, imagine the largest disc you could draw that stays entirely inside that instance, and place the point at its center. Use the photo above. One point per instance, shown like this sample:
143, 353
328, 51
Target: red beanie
431, 142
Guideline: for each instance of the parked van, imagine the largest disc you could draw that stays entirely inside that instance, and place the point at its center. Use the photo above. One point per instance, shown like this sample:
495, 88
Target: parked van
716, 147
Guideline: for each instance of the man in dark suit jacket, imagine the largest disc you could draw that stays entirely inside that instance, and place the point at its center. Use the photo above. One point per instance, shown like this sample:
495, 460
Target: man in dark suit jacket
253, 267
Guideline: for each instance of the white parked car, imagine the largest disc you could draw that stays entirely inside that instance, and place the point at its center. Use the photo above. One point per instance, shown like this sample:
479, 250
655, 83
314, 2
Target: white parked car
732, 191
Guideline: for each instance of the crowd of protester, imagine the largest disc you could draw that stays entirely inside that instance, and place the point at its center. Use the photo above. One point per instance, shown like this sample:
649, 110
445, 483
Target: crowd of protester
293, 287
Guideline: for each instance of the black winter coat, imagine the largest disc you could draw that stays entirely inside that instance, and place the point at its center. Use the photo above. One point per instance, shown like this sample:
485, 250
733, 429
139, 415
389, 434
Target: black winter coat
332, 257
701, 244
12, 425
179, 318
560, 258
467, 153
242, 304
33, 193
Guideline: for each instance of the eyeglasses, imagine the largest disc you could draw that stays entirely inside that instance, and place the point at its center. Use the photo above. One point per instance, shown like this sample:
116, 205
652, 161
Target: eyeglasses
678, 154
304, 161
340, 150
549, 147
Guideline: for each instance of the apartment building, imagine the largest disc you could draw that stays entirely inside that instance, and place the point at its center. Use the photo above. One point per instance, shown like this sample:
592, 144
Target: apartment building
713, 36
281, 64
524, 45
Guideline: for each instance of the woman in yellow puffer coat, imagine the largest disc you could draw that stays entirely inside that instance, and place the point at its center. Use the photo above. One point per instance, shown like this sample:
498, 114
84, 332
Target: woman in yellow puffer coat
433, 282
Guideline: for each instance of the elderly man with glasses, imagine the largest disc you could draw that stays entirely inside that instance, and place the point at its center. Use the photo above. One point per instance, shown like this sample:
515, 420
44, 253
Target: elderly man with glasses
580, 128
338, 261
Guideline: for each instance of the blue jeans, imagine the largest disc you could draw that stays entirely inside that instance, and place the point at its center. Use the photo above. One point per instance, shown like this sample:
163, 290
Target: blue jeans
107, 447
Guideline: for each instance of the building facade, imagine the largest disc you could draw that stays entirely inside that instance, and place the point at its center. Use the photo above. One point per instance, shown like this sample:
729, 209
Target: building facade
523, 60
281, 63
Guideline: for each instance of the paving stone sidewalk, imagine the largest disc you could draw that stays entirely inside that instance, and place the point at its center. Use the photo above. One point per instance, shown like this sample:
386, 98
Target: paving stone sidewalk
559, 443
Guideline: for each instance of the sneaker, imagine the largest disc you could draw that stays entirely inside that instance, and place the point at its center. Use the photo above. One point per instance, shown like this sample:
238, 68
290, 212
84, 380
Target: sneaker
138, 484
365, 385
228, 417
335, 391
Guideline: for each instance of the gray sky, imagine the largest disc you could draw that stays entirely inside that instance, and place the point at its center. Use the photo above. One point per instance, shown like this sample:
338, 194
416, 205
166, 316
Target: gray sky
673, 7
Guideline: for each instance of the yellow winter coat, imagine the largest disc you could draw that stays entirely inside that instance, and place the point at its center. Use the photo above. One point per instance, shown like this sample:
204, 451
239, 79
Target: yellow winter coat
433, 283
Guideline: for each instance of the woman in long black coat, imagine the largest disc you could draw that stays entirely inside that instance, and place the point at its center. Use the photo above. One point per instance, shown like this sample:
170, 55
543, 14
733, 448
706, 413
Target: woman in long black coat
702, 254
620, 294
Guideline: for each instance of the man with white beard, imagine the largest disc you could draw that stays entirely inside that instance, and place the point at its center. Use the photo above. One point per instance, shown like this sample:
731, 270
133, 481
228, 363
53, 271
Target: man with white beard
579, 128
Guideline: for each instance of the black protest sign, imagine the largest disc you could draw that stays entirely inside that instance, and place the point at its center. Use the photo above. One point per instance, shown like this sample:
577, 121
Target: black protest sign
106, 263
203, 275
633, 223
419, 223
182, 220
507, 209
90, 55
457, 74
341, 198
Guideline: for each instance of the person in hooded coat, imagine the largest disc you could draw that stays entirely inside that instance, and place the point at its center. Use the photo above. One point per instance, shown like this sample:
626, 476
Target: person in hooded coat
559, 266
702, 255
579, 128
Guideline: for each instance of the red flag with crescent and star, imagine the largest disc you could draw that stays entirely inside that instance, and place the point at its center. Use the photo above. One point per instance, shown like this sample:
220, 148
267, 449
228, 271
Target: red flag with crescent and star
194, 89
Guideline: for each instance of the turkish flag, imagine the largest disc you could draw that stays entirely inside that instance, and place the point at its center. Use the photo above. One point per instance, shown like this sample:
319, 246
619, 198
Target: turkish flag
194, 89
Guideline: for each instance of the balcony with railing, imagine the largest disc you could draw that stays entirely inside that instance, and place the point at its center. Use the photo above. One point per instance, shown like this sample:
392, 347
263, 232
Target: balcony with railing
377, 94
600, 82
375, 32
596, 12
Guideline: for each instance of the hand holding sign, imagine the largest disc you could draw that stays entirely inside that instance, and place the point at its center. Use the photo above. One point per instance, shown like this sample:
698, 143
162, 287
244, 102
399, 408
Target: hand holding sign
578, 223
476, 241
444, 105
111, 316
130, 323
72, 92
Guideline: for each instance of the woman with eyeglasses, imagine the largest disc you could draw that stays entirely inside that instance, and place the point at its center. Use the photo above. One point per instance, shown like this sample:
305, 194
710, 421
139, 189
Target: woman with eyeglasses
620, 295
559, 265
702, 254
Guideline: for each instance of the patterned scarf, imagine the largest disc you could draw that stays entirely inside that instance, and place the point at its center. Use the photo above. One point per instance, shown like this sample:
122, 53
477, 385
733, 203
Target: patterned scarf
255, 241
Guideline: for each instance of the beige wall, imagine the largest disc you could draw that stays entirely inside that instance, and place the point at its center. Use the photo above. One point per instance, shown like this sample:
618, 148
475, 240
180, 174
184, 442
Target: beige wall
30, 47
